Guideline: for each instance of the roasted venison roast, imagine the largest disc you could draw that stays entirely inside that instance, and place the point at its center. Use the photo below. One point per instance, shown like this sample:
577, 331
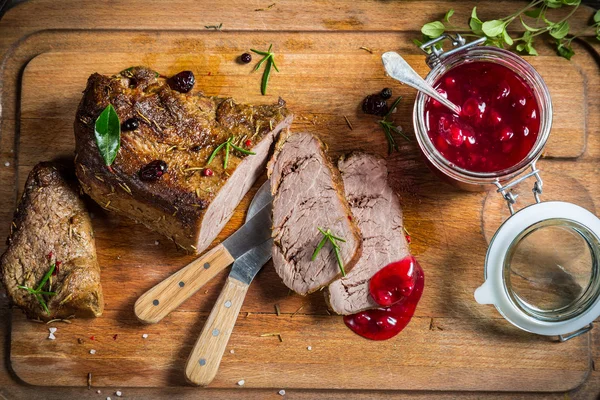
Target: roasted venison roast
309, 194
161, 176
51, 226
377, 212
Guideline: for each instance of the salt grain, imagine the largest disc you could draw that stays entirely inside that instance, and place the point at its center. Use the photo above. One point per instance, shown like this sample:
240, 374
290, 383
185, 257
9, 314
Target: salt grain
309, 348
51, 335
108, 398
232, 351
92, 351
145, 336
282, 392
7, 164
98, 391
241, 383
156, 243
118, 393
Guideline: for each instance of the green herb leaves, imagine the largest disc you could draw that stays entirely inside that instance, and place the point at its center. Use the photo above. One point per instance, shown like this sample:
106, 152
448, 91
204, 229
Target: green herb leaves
389, 128
268, 57
433, 29
496, 30
108, 134
227, 145
328, 236
38, 292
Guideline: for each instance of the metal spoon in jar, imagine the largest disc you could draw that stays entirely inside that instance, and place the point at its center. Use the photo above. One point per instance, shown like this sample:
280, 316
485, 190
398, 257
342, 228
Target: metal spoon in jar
398, 68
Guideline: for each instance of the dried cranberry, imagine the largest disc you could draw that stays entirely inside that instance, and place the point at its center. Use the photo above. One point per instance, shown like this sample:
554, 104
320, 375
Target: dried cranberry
207, 172
375, 105
131, 124
386, 93
152, 171
246, 58
183, 82
248, 143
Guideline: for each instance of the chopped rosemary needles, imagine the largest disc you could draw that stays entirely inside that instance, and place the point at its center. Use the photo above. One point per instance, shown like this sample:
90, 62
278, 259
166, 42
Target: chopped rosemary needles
270, 62
389, 128
38, 292
228, 145
328, 236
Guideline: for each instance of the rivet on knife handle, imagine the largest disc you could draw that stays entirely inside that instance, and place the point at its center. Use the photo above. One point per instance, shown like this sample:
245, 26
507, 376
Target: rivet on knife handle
205, 358
163, 298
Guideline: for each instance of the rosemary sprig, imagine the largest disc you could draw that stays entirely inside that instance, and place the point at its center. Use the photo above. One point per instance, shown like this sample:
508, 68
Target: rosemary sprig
214, 27
228, 145
38, 292
269, 58
328, 236
389, 128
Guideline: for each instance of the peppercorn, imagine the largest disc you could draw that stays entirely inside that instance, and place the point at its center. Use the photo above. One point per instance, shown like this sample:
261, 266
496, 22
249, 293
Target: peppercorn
375, 105
153, 170
207, 172
246, 58
131, 124
386, 93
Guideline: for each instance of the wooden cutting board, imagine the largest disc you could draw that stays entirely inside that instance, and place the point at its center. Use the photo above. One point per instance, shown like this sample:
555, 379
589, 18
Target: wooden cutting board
451, 344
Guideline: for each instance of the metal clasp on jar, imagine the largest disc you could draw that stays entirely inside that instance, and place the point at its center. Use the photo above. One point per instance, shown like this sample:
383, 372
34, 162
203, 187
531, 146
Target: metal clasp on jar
511, 198
436, 54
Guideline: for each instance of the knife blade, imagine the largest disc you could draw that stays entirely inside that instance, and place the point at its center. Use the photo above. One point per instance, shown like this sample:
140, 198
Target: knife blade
158, 302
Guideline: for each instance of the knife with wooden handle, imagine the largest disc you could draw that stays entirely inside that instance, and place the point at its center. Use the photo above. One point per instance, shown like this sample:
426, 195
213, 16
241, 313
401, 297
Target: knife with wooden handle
205, 358
158, 302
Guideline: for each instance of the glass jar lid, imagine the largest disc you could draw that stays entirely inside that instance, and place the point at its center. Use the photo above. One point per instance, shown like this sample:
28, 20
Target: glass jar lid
542, 269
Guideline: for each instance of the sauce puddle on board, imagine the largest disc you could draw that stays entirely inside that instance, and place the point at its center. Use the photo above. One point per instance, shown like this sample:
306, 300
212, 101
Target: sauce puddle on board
398, 287
499, 120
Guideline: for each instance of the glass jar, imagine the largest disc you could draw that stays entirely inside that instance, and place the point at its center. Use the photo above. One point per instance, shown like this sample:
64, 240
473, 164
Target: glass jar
441, 63
542, 267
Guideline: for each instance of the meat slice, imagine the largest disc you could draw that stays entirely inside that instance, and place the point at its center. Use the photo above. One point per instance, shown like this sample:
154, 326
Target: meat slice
52, 226
308, 194
377, 212
187, 204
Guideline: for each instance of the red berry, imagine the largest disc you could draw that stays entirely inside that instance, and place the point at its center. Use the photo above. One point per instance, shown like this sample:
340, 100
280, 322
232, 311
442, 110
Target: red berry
207, 172
494, 118
456, 137
248, 143
393, 282
444, 94
450, 81
506, 133
470, 107
503, 90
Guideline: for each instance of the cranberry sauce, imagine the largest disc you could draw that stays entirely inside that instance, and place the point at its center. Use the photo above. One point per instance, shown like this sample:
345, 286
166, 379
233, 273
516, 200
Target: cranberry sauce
398, 285
499, 120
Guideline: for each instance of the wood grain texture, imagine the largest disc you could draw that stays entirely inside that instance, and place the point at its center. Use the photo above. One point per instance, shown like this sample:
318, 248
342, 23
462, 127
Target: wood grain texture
205, 358
155, 304
453, 271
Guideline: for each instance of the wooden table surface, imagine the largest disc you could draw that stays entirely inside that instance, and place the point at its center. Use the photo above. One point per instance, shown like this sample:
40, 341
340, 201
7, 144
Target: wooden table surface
29, 18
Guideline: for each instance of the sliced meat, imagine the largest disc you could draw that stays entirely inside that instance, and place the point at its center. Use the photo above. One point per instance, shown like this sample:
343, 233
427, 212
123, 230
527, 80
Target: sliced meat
309, 194
377, 212
52, 226
187, 204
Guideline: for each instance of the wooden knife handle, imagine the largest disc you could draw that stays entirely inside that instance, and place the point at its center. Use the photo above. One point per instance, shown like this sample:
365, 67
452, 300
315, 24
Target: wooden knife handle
163, 298
203, 362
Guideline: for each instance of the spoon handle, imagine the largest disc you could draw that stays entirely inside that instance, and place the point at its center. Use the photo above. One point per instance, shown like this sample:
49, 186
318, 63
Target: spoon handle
398, 68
